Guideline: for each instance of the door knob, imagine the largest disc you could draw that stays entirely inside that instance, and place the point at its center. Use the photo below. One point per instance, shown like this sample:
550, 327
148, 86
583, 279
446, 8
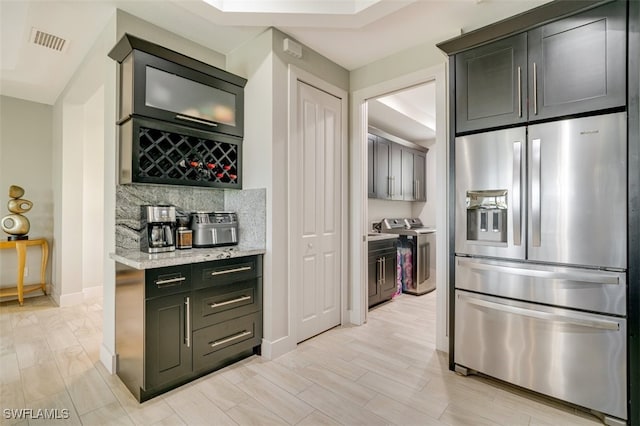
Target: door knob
310, 245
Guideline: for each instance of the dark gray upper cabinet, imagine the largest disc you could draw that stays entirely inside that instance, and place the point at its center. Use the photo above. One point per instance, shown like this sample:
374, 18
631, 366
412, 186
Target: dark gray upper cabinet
395, 171
490, 85
382, 155
413, 175
570, 66
420, 175
371, 166
577, 64
387, 169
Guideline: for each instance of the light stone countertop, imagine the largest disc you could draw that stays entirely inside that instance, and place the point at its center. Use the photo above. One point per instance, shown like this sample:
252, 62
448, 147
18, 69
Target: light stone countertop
378, 237
140, 260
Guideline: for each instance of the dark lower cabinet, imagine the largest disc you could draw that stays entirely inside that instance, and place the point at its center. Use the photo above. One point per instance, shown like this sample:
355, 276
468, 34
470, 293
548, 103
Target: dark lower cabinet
220, 344
167, 347
177, 323
382, 270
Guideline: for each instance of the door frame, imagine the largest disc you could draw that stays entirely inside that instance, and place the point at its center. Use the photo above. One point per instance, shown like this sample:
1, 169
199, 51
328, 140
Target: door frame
296, 74
358, 212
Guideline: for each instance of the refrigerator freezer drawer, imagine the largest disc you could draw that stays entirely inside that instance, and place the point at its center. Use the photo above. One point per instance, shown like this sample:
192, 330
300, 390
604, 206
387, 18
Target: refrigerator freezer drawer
586, 289
572, 356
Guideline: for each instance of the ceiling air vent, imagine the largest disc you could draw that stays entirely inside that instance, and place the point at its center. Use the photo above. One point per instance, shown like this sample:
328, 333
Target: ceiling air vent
47, 40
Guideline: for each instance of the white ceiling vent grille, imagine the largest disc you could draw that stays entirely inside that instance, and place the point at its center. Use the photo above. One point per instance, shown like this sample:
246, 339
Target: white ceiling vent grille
47, 40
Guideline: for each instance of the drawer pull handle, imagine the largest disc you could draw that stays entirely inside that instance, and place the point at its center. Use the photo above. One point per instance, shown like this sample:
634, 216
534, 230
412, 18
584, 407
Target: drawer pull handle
229, 302
230, 338
196, 120
231, 271
187, 334
170, 282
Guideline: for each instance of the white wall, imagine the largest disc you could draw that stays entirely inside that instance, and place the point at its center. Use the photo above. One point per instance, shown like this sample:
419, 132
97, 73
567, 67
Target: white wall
265, 64
25, 160
92, 193
426, 211
130, 24
380, 209
410, 67
80, 136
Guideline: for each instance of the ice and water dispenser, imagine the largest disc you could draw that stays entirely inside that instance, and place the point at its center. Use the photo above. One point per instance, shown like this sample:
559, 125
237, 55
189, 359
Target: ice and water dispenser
487, 216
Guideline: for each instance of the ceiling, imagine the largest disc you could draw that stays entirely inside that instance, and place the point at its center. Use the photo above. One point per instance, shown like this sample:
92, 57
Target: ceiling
351, 33
409, 114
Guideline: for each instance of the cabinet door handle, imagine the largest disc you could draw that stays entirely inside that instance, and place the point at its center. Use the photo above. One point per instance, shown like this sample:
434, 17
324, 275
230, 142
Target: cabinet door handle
240, 335
231, 271
535, 89
229, 302
187, 335
169, 282
196, 120
519, 92
384, 270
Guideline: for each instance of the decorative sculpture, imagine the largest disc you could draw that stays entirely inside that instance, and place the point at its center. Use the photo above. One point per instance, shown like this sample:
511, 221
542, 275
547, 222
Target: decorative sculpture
15, 224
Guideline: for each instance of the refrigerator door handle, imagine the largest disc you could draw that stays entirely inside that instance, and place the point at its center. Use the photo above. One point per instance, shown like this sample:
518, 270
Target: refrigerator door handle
516, 193
583, 276
545, 316
535, 192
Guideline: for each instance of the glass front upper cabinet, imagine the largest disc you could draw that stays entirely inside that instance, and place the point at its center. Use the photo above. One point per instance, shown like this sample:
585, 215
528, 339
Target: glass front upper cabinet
161, 84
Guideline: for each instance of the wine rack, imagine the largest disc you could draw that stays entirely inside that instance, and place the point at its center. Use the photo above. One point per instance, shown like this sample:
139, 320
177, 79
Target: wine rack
153, 151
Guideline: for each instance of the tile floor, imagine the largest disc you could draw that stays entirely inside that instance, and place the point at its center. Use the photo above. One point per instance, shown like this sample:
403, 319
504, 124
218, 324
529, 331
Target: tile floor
385, 372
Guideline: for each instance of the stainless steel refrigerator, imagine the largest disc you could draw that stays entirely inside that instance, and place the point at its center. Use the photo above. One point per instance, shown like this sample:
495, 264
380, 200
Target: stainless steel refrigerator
541, 259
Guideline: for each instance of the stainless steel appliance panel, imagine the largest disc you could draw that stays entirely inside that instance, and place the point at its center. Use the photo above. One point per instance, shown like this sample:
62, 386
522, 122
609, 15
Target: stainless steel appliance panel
423, 247
490, 166
586, 289
577, 191
573, 356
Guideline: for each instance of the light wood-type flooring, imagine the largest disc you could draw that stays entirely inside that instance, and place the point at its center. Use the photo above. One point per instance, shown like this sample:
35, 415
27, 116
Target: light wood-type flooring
386, 372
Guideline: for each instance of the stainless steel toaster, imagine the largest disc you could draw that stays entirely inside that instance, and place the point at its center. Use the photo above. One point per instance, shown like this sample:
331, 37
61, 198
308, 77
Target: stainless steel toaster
214, 229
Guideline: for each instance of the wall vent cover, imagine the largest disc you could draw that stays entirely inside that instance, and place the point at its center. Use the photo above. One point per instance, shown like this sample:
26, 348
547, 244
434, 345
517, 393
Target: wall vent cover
47, 40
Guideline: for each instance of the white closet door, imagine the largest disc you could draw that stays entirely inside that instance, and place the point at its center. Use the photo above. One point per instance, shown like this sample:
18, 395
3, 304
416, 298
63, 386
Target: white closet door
316, 204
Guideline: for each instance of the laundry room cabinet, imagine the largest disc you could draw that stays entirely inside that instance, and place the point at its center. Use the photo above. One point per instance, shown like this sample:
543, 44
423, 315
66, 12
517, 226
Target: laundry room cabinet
395, 171
382, 268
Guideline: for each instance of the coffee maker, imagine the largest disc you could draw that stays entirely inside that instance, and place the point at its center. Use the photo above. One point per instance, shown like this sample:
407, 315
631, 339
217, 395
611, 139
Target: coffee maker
160, 223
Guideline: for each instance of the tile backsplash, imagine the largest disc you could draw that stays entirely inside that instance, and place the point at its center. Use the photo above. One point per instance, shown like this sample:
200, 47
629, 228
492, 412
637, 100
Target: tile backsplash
249, 204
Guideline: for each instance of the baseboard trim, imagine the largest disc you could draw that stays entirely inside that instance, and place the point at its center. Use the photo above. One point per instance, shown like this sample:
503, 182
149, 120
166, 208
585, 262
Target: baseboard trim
272, 350
108, 359
71, 299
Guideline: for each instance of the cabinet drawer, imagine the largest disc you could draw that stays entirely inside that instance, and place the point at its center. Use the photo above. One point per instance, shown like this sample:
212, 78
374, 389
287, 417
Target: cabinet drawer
222, 272
222, 343
223, 302
166, 281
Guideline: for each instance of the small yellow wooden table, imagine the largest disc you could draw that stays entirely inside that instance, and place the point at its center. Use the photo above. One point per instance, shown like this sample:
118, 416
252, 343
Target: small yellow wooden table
21, 249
